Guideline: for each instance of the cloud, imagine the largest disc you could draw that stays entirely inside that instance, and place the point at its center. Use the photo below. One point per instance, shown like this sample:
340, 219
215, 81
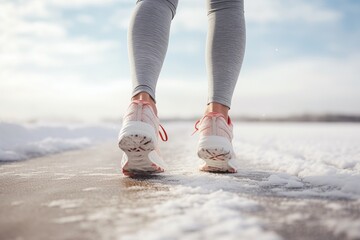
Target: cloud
26, 8
56, 62
296, 86
34, 34
190, 16
85, 18
265, 12
46, 70
57, 53
82, 3
121, 18
51, 97
300, 85
304, 75
13, 20
179, 98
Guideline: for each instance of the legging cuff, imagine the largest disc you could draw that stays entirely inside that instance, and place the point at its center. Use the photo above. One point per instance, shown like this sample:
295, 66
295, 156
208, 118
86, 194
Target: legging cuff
144, 88
220, 100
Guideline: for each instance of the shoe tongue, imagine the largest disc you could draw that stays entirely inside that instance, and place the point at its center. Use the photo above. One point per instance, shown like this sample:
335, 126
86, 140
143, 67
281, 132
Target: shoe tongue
217, 114
214, 114
141, 102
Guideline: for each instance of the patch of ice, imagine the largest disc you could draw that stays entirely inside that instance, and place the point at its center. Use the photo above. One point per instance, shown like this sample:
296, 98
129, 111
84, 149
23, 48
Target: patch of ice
103, 174
7, 173
101, 215
24, 175
103, 168
90, 189
69, 219
62, 178
66, 203
16, 203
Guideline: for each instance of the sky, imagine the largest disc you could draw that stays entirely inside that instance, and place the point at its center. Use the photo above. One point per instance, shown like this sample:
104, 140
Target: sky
68, 61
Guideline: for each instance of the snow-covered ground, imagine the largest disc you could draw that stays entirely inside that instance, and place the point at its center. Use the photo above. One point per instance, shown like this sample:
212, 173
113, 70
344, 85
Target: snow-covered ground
295, 181
309, 169
306, 159
20, 142
300, 159
312, 159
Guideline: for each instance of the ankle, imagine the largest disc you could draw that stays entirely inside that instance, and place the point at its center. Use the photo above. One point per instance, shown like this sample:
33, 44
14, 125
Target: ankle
144, 96
219, 108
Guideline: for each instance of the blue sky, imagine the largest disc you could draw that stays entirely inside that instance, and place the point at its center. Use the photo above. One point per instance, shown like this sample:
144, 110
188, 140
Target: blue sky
67, 60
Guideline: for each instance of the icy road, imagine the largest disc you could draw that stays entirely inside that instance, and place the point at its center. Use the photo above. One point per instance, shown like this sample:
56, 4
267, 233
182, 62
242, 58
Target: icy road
296, 181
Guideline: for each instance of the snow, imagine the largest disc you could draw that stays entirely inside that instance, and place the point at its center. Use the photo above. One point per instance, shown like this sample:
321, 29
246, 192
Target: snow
285, 180
309, 159
294, 159
177, 212
20, 142
294, 162
350, 228
202, 214
323, 156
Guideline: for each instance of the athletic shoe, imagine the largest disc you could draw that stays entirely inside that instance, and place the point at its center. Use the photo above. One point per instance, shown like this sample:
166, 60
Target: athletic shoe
215, 147
139, 140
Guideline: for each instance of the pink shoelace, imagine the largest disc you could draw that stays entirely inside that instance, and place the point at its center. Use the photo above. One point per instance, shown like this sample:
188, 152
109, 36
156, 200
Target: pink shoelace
196, 126
165, 136
209, 114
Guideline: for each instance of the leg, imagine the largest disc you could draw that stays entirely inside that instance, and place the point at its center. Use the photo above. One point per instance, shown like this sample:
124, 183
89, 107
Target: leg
225, 51
148, 38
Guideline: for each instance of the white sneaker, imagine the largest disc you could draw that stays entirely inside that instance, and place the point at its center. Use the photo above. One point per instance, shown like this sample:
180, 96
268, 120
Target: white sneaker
138, 138
215, 147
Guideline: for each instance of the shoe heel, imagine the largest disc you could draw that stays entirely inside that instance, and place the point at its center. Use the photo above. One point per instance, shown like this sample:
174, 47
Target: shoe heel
138, 141
215, 142
217, 154
139, 156
133, 128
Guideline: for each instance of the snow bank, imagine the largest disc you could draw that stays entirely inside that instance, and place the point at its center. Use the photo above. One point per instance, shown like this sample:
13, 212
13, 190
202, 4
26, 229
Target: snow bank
291, 159
303, 159
19, 142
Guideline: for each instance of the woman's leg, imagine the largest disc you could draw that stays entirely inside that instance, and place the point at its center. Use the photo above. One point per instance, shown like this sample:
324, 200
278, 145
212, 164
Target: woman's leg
225, 51
148, 38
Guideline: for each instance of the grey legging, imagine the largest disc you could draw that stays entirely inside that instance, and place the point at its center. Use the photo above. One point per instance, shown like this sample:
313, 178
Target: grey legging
148, 41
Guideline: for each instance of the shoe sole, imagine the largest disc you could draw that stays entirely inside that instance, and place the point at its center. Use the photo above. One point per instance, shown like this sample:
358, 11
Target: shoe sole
217, 154
140, 156
139, 151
